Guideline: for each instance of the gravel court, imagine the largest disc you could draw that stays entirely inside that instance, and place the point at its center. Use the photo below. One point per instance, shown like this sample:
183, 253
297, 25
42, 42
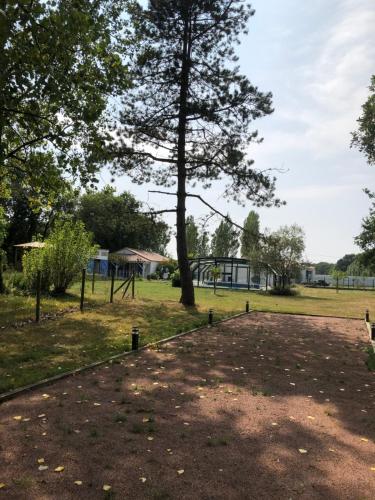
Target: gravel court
261, 406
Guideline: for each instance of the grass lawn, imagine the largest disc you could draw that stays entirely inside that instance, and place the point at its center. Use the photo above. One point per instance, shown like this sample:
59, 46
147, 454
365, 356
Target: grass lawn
33, 352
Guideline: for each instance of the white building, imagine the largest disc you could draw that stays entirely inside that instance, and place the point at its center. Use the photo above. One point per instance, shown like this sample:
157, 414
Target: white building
143, 263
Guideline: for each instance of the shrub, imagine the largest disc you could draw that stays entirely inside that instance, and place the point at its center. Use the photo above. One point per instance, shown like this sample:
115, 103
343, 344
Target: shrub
176, 279
287, 291
66, 253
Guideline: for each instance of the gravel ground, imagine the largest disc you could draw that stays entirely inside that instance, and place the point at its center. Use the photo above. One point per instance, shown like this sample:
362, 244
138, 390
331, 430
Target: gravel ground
263, 406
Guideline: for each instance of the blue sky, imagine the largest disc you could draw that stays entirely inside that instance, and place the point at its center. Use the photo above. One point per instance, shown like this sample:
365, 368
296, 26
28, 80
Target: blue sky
317, 59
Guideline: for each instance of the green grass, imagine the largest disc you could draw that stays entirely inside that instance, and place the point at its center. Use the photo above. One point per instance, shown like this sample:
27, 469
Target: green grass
33, 352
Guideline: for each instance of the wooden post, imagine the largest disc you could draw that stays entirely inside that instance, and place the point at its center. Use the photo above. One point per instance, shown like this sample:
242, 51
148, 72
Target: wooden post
93, 279
83, 289
133, 286
248, 276
38, 290
112, 285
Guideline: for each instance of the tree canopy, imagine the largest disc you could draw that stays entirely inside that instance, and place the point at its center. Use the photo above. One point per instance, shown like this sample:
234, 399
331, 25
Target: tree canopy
60, 62
250, 237
283, 251
188, 115
364, 136
225, 240
343, 263
117, 221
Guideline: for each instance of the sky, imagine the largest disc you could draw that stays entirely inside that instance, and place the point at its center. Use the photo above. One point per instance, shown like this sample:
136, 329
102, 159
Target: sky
317, 59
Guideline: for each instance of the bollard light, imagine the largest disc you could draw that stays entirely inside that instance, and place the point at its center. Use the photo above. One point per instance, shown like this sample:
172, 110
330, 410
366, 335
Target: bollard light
210, 316
372, 331
135, 338
367, 316
247, 306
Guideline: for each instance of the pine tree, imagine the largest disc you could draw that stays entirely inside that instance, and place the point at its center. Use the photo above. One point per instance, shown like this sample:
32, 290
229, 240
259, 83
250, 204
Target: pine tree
187, 118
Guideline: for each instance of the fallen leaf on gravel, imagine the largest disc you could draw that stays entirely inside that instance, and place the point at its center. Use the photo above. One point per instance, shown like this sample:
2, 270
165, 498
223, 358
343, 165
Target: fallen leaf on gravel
78, 483
332, 450
274, 423
42, 415
150, 438
42, 467
2, 485
45, 396
145, 419
364, 440
310, 417
97, 404
60, 468
372, 468
302, 450
25, 420
180, 471
143, 479
106, 487
40, 460
17, 417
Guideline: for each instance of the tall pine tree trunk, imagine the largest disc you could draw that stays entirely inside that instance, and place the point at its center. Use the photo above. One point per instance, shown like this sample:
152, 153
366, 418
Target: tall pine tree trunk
187, 289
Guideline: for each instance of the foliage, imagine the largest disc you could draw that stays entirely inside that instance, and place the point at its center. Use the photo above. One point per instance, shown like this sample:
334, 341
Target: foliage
250, 237
30, 213
364, 137
343, 263
60, 61
358, 267
203, 243
323, 268
188, 114
66, 252
176, 279
116, 221
225, 240
192, 237
283, 251
169, 267
337, 275
3, 229
215, 273
370, 362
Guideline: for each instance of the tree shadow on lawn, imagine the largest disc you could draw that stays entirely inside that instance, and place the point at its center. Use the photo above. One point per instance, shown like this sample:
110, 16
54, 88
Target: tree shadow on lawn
218, 405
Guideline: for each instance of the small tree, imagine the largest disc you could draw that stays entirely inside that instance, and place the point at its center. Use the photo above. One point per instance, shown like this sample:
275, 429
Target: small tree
2, 253
65, 254
215, 273
338, 275
283, 251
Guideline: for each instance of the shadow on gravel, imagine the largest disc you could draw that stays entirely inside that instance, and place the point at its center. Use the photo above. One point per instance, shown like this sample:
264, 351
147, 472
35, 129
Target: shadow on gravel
265, 406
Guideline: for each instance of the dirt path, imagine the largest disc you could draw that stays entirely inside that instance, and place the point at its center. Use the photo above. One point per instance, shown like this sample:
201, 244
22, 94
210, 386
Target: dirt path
265, 406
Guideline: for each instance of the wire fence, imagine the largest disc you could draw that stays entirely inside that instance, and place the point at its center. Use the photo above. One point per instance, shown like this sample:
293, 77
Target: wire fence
86, 291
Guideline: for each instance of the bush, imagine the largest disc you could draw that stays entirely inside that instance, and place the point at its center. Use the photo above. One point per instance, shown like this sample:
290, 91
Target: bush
66, 253
287, 291
176, 279
16, 283
154, 276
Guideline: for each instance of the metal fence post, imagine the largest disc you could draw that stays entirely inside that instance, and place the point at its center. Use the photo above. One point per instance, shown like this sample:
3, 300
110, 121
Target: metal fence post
38, 290
83, 288
93, 280
133, 286
112, 285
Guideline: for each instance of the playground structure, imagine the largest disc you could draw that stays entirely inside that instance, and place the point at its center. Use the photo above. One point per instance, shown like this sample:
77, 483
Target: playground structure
231, 272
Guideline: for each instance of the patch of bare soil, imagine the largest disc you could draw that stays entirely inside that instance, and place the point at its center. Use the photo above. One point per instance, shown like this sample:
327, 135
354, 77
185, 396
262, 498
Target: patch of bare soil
263, 406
